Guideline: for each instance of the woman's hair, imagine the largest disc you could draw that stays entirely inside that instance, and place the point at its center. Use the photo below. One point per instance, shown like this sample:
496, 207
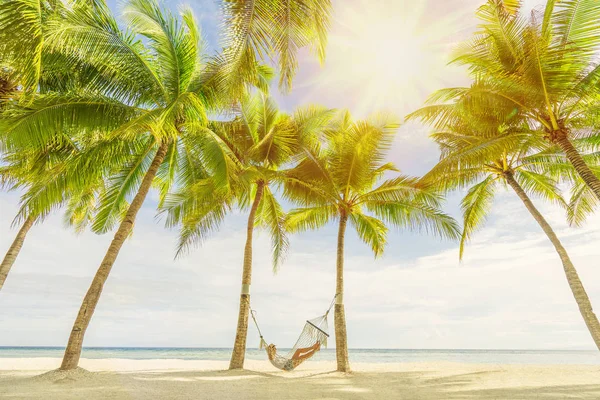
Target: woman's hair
271, 350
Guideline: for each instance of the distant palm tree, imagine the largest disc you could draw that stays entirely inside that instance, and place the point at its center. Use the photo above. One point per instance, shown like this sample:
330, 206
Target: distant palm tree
22, 74
540, 68
260, 140
62, 175
341, 179
21, 170
8, 91
481, 160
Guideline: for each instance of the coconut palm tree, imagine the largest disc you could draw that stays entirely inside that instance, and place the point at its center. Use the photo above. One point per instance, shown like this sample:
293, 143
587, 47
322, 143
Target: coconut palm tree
340, 178
480, 158
260, 140
541, 68
70, 175
148, 94
23, 170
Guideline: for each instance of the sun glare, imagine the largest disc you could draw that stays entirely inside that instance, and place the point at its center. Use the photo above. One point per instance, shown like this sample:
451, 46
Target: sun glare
386, 55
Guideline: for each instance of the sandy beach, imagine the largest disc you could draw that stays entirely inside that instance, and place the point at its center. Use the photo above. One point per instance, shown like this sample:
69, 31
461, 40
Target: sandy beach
27, 378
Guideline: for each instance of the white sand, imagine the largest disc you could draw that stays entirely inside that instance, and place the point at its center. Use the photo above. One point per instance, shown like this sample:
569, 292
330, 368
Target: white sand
27, 378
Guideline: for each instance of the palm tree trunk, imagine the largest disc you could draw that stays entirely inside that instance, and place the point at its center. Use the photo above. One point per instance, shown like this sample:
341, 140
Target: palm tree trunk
341, 337
239, 346
73, 350
584, 171
581, 297
15, 248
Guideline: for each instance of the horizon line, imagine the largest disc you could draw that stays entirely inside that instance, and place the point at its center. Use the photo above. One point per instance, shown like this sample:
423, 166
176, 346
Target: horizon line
330, 348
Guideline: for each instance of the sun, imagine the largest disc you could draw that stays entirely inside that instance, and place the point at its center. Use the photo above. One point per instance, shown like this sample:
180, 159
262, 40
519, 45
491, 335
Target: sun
386, 55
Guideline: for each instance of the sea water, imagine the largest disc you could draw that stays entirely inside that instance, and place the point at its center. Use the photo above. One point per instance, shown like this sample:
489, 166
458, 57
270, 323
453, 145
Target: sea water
588, 357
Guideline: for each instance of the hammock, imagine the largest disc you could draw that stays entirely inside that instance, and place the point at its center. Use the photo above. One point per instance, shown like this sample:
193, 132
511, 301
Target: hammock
313, 336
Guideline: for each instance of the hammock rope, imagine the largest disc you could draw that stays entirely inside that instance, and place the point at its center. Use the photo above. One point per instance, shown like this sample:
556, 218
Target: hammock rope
313, 336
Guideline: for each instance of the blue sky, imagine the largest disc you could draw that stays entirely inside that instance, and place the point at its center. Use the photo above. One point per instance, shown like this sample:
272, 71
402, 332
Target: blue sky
509, 292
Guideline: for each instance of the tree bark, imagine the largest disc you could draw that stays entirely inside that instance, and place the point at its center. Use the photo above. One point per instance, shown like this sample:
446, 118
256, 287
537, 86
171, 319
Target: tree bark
581, 297
74, 346
341, 337
239, 346
583, 170
15, 248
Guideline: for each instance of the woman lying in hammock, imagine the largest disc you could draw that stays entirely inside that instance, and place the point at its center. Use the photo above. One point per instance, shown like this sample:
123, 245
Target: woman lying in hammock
299, 355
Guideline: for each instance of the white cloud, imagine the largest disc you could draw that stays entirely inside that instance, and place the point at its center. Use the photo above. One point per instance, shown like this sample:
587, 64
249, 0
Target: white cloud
510, 292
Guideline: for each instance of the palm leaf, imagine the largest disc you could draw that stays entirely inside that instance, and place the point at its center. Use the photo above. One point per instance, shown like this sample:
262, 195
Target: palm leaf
371, 230
476, 206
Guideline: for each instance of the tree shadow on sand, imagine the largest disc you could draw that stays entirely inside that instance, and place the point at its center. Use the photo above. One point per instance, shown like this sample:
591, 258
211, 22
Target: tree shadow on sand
253, 385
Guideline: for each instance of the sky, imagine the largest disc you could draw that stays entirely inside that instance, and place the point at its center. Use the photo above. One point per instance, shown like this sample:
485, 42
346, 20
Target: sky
509, 292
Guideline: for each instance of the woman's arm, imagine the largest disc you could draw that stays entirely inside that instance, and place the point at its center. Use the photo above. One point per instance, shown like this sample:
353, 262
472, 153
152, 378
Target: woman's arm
306, 352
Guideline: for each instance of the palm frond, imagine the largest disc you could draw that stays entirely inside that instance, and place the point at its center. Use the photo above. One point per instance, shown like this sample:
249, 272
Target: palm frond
309, 218
416, 216
120, 187
540, 185
371, 230
476, 206
263, 28
271, 216
583, 202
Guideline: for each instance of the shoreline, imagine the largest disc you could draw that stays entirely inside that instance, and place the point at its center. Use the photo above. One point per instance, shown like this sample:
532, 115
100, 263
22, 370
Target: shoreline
178, 364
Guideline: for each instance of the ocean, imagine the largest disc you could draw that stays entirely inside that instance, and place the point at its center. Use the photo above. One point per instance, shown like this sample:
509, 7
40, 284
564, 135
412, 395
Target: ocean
582, 357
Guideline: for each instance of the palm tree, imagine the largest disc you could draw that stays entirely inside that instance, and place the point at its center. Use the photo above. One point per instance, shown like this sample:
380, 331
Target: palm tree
21, 169
150, 96
340, 179
482, 159
67, 174
260, 140
542, 70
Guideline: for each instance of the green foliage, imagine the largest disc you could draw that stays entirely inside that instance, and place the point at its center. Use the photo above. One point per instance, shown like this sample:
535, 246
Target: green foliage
272, 28
535, 77
341, 177
583, 202
108, 96
21, 45
475, 206
480, 161
535, 80
256, 145
129, 91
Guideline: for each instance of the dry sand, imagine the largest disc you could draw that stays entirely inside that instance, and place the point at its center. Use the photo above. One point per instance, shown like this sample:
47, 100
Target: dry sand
178, 379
